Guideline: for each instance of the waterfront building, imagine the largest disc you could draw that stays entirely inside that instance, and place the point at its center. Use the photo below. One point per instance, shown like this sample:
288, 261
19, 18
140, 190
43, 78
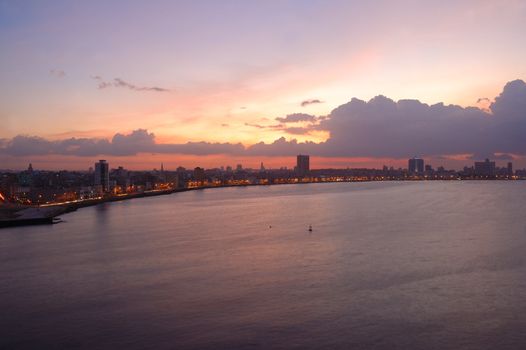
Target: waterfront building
510, 169
302, 164
162, 175
102, 175
199, 174
416, 166
485, 168
122, 178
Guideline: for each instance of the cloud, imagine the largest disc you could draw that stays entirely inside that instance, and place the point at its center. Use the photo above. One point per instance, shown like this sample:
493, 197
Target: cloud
297, 117
258, 126
138, 141
384, 128
511, 103
57, 73
380, 128
310, 102
484, 103
117, 82
283, 127
282, 147
503, 156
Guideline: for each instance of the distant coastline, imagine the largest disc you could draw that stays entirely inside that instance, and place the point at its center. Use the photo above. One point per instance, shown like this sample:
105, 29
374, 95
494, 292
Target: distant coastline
20, 215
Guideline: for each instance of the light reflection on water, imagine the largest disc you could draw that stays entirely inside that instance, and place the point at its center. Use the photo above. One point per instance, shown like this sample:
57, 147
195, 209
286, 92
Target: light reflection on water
421, 265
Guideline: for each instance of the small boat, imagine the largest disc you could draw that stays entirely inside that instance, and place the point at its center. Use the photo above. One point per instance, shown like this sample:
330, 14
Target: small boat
310, 228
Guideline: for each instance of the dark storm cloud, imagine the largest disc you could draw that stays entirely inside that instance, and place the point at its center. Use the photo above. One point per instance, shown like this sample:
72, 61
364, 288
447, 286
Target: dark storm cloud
380, 127
310, 102
117, 82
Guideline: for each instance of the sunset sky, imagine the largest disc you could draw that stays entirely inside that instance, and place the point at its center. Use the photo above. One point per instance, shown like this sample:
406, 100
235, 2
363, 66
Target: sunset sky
201, 82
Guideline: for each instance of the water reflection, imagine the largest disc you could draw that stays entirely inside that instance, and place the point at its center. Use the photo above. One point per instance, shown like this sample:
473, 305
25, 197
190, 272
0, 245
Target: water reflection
388, 265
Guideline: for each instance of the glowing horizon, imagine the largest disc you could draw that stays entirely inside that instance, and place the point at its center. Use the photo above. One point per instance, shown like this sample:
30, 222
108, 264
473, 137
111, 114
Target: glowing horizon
226, 73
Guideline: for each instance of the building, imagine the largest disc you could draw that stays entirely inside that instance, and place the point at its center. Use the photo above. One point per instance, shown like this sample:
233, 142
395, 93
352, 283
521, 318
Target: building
485, 168
102, 175
199, 174
510, 169
416, 166
302, 164
162, 174
122, 178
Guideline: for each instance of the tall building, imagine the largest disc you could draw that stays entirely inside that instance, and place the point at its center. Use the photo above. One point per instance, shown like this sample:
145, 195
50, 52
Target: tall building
181, 177
199, 174
510, 169
416, 166
302, 164
102, 175
162, 175
485, 168
122, 176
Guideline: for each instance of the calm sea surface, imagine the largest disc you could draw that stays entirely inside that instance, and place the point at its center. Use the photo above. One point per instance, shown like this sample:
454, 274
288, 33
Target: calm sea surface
415, 265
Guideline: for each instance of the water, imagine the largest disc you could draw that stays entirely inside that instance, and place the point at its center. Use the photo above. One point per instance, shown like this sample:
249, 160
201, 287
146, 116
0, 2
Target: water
420, 265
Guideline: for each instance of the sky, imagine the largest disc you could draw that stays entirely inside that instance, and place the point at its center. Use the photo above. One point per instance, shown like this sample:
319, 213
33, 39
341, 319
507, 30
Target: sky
211, 83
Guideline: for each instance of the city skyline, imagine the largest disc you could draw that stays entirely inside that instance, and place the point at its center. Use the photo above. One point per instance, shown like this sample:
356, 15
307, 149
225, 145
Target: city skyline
289, 164
102, 182
185, 90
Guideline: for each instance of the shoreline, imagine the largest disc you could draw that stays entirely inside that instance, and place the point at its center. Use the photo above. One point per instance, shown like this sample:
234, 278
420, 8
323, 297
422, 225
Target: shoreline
48, 213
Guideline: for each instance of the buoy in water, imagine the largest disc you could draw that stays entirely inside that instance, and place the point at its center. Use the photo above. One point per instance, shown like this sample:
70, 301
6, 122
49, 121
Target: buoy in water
310, 228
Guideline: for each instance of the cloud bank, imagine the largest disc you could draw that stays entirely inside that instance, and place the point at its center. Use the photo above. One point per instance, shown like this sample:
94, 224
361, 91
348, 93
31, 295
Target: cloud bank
379, 128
